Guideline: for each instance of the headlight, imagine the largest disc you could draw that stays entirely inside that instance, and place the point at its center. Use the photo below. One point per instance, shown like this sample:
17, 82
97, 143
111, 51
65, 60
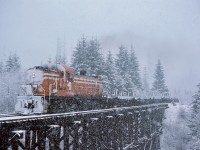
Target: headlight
33, 75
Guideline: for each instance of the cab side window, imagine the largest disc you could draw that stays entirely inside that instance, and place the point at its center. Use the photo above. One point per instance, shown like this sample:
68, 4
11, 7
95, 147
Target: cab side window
69, 77
62, 74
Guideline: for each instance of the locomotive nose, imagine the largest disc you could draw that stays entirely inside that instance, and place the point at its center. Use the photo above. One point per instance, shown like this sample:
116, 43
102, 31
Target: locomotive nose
29, 105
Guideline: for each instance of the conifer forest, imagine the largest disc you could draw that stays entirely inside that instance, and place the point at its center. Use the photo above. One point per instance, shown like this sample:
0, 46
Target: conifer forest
101, 57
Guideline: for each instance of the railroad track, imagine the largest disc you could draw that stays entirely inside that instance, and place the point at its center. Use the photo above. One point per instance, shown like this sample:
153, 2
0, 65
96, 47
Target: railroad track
7, 115
15, 118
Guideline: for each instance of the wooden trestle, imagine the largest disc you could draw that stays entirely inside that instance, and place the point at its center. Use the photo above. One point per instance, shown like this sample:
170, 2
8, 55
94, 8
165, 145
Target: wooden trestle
137, 127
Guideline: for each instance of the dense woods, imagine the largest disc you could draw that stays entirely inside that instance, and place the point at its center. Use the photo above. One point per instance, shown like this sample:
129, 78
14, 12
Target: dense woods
10, 79
120, 74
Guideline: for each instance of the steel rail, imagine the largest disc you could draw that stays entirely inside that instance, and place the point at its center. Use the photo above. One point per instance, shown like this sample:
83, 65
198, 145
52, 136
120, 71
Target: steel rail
11, 119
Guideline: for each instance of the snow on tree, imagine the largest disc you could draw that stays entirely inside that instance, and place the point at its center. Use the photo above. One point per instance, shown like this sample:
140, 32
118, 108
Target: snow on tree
9, 83
195, 115
63, 59
196, 102
49, 60
109, 80
80, 55
16, 63
58, 52
159, 88
145, 84
194, 123
12, 63
60, 57
175, 130
9, 64
87, 57
134, 71
94, 59
194, 144
1, 67
122, 68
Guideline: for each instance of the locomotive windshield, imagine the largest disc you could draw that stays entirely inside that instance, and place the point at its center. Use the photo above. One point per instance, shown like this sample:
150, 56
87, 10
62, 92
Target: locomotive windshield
25, 90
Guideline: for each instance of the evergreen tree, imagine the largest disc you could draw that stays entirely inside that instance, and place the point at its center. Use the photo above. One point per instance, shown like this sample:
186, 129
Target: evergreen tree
16, 63
146, 89
63, 59
122, 68
159, 86
49, 60
87, 57
79, 56
194, 123
60, 58
9, 83
12, 63
134, 71
109, 81
94, 59
58, 52
1, 67
196, 102
9, 64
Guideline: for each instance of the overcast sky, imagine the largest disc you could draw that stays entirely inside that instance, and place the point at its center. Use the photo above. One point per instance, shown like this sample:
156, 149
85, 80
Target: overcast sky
158, 29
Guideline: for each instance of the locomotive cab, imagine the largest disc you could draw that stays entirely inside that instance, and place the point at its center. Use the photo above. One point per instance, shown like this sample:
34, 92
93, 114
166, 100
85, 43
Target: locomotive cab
28, 102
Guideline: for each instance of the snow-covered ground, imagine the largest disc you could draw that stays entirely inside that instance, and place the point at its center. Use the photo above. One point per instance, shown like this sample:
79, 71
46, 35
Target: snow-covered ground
175, 130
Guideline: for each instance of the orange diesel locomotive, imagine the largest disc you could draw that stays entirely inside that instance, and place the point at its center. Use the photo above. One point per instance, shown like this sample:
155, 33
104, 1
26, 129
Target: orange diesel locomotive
45, 83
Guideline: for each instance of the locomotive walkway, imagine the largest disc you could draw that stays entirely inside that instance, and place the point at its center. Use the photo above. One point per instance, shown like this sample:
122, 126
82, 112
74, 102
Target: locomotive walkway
136, 127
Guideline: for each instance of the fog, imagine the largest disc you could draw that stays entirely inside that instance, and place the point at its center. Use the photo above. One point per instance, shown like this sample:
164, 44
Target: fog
158, 29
